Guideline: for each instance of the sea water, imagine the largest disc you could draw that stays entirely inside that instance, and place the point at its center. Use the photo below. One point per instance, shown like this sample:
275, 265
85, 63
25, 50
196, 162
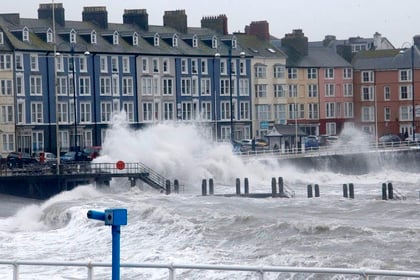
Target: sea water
187, 228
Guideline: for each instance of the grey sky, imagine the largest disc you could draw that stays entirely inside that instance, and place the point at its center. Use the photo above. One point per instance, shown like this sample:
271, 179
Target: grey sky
396, 20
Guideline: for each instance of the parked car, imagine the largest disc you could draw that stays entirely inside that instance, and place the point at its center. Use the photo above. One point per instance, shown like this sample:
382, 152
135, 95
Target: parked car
93, 151
389, 140
311, 143
73, 156
45, 157
20, 160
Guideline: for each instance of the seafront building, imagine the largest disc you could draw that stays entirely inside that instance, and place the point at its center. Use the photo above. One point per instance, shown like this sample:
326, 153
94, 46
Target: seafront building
61, 81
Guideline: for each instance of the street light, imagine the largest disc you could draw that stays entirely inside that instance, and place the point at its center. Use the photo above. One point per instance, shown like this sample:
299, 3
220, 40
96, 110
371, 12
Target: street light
57, 125
216, 56
412, 92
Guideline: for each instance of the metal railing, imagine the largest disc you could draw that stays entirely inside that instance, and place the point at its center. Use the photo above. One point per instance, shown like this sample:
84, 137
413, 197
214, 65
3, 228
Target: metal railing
260, 271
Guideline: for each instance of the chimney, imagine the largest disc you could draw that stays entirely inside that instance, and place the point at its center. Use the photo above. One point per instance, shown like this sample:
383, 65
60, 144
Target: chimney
96, 15
296, 42
259, 29
218, 24
45, 11
328, 39
137, 17
176, 19
416, 40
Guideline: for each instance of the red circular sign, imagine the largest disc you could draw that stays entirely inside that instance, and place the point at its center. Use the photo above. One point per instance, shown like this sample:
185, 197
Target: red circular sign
120, 165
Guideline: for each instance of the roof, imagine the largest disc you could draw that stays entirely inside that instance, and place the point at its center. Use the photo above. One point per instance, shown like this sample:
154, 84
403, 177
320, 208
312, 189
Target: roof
386, 59
285, 130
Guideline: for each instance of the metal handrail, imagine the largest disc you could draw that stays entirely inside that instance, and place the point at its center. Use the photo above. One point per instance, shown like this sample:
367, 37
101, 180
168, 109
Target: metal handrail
259, 270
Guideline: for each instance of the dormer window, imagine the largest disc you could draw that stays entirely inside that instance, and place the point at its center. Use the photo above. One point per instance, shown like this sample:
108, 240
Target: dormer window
25, 34
195, 41
156, 40
73, 37
234, 42
135, 39
115, 38
50, 37
1, 38
93, 37
175, 41
214, 42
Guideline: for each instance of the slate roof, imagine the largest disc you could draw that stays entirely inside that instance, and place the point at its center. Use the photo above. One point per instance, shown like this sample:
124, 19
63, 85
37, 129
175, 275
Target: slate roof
386, 59
285, 130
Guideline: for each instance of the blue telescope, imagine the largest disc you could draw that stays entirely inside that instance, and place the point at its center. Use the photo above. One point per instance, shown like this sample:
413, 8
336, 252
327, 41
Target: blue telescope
114, 218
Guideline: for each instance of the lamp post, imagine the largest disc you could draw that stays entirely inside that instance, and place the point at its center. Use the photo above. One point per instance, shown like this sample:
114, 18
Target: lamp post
57, 125
231, 94
412, 92
216, 56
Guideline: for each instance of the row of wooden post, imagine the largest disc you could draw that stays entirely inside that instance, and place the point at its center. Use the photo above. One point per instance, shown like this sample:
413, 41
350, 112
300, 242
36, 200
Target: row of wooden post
168, 186
390, 190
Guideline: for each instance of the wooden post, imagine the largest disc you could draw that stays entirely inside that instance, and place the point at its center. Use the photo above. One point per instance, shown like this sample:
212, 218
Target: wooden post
168, 187
316, 190
390, 191
281, 185
246, 186
238, 186
204, 187
351, 190
345, 193
273, 187
176, 186
310, 191
211, 186
384, 195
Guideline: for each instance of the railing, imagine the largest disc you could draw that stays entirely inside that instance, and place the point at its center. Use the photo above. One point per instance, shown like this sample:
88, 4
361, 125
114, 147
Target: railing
328, 150
260, 271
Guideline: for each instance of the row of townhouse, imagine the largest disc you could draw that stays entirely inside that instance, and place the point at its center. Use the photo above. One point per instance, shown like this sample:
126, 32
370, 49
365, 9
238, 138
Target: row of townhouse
61, 81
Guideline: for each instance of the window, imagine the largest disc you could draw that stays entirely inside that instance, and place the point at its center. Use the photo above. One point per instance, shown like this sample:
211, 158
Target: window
186, 111
35, 85
84, 86
1, 38
330, 110
348, 109
168, 111
348, 89
223, 68
63, 112
224, 87
83, 64
205, 87
387, 114
387, 93
195, 41
244, 110
155, 63
59, 63
186, 87
93, 37
18, 62
279, 71
85, 112
312, 73
73, 37
50, 36
313, 90
367, 93
34, 62
405, 75
127, 84
25, 34
6, 114
292, 73
61, 85
36, 112
331, 128
21, 112
135, 39
184, 66
243, 87
126, 64
106, 111
225, 110
165, 65
263, 112
114, 64
6, 62
329, 90
156, 40
168, 84
8, 142
115, 38
6, 87
38, 140
128, 107
20, 85
145, 65
367, 77
293, 91
313, 111
194, 66
261, 71
242, 67
104, 64
149, 86
329, 73
115, 85
348, 73
280, 112
206, 111
279, 91
260, 91
214, 42
405, 113
105, 86
175, 41
405, 92
368, 113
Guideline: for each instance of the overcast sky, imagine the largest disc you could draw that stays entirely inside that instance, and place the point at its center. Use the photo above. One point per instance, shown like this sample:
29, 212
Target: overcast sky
395, 20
